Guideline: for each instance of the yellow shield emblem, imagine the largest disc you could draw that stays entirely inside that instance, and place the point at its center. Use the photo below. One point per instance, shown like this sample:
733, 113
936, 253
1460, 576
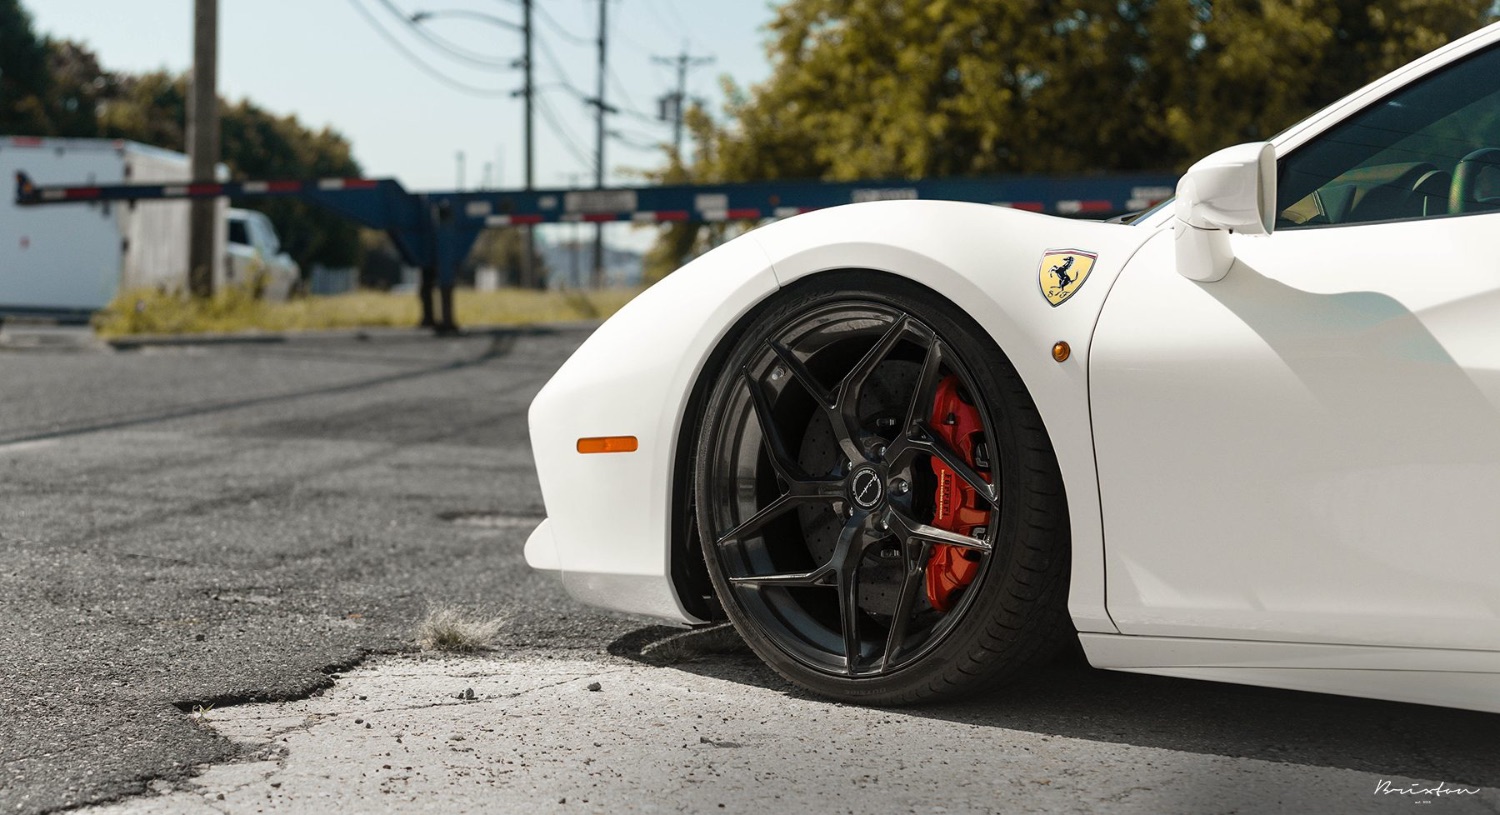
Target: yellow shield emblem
1063, 272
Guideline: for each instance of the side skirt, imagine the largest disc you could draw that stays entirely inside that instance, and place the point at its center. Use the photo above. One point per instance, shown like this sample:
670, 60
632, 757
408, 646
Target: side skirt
1427, 676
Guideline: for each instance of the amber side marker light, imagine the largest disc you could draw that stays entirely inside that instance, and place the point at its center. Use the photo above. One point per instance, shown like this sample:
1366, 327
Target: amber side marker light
1061, 352
609, 444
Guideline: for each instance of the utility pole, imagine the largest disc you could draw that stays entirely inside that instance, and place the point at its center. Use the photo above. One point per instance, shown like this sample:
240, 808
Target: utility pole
529, 277
203, 144
460, 158
577, 274
598, 279
678, 100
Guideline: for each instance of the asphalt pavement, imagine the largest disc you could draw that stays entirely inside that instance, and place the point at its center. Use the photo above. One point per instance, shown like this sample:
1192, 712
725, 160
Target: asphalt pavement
193, 526
186, 531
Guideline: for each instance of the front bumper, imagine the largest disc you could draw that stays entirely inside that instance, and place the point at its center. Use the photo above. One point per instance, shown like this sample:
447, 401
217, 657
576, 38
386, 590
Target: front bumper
608, 530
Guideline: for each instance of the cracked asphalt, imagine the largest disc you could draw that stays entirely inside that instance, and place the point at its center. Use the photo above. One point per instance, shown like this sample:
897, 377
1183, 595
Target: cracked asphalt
196, 526
200, 527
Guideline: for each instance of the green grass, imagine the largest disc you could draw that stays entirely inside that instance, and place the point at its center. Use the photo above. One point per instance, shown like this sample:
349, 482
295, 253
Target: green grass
153, 312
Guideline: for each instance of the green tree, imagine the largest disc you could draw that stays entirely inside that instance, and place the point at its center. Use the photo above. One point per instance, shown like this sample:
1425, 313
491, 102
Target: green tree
58, 88
24, 80
259, 144
149, 108
913, 88
929, 88
47, 87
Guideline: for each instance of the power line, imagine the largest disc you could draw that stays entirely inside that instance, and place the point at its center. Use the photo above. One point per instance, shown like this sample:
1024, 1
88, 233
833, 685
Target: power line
563, 137
672, 5
620, 86
636, 140
651, 5
632, 42
488, 93
629, 108
557, 66
445, 46
635, 45
563, 86
565, 83
562, 31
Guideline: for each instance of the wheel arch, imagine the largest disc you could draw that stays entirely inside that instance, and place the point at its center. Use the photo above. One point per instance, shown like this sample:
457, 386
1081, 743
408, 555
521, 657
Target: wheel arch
983, 261
686, 568
684, 558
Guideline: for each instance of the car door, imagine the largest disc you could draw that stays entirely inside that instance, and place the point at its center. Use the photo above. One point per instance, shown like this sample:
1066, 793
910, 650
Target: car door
1309, 449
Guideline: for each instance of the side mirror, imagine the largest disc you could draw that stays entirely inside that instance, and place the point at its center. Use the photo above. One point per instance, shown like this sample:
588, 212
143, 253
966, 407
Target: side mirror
1233, 190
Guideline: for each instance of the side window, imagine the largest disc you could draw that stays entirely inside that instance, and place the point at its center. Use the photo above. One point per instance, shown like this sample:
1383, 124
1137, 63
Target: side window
239, 232
1429, 149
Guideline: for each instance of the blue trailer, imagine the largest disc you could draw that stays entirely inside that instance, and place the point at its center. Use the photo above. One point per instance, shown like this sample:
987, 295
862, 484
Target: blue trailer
434, 231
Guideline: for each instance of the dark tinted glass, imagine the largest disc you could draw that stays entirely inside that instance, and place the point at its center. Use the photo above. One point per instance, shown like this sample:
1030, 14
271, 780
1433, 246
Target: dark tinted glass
1397, 158
239, 232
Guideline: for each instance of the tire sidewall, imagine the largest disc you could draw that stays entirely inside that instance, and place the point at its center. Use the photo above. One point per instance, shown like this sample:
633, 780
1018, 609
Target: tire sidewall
950, 664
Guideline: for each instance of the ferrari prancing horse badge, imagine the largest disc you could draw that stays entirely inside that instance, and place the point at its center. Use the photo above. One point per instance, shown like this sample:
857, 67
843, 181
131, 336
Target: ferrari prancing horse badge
1063, 272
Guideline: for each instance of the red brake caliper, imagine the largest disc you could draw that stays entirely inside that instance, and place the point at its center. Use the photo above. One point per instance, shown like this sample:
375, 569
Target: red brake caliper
958, 507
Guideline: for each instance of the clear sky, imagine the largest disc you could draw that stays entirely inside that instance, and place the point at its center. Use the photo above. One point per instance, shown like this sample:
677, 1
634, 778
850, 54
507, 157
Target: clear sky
326, 62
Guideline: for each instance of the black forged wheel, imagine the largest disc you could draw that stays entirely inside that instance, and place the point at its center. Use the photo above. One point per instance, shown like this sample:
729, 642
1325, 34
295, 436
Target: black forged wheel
880, 508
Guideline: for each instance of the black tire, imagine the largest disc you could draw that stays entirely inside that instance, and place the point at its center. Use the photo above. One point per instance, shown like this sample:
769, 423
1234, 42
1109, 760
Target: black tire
780, 530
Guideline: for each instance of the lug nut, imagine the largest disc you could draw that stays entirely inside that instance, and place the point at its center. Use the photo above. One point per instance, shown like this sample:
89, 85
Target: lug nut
900, 487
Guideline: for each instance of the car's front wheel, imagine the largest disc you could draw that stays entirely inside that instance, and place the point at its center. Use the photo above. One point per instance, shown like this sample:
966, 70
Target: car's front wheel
880, 509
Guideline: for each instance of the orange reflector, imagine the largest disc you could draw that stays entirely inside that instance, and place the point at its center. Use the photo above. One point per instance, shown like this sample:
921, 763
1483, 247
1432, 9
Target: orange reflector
608, 444
1061, 352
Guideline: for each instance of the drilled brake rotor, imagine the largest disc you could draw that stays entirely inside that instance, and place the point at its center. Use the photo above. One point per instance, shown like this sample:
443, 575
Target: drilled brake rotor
881, 405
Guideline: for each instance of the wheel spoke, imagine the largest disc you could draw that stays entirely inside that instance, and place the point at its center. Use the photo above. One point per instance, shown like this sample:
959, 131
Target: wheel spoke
781, 460
821, 575
845, 561
853, 384
930, 443
909, 530
799, 372
848, 585
925, 392
916, 568
816, 577
767, 514
812, 489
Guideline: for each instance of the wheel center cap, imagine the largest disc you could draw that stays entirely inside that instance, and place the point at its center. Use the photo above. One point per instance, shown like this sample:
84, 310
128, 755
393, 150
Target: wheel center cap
866, 488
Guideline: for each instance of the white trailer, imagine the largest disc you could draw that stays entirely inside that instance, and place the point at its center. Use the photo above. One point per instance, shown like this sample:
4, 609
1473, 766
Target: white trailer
72, 259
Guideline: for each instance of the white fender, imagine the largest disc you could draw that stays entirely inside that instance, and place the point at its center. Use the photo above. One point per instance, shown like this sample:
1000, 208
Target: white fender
608, 529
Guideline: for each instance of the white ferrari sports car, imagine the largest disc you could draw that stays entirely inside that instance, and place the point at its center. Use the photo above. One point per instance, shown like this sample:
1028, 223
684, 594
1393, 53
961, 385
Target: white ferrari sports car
907, 447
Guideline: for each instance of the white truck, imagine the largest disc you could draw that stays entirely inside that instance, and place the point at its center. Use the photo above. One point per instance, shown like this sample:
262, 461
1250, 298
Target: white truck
255, 256
70, 260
